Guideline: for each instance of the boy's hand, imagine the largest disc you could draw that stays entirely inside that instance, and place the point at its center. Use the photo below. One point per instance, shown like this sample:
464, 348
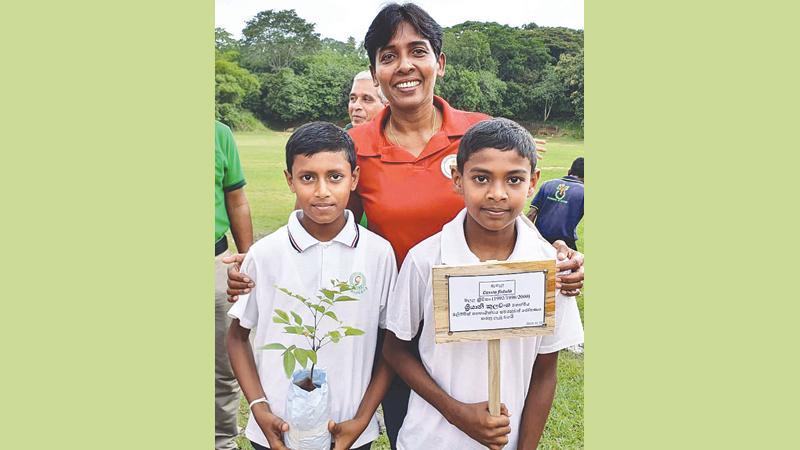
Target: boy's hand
238, 283
272, 426
571, 261
345, 433
474, 420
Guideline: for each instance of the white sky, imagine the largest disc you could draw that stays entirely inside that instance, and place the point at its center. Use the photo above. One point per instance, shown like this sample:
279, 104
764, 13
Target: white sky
339, 19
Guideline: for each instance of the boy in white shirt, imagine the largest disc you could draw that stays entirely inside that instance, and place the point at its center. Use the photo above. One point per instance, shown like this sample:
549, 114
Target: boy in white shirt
496, 173
321, 242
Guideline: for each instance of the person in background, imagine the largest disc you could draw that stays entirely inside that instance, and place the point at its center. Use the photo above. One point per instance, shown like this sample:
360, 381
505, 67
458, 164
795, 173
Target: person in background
557, 208
366, 100
231, 211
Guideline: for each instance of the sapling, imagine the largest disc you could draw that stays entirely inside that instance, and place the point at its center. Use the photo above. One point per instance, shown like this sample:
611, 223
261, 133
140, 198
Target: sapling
320, 309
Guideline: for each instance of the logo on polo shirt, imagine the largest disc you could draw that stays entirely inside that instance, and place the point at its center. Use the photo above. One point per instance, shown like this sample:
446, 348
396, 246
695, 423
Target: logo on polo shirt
560, 193
358, 282
448, 163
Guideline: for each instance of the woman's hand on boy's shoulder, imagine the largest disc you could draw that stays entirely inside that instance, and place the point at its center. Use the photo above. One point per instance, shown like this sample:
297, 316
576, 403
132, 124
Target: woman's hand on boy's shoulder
272, 426
569, 262
345, 433
238, 283
474, 420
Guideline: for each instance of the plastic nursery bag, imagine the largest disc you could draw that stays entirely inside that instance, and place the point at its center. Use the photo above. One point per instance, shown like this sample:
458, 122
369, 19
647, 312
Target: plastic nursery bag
307, 413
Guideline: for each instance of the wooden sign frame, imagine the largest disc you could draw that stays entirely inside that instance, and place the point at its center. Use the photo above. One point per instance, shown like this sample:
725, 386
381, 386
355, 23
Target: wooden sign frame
441, 299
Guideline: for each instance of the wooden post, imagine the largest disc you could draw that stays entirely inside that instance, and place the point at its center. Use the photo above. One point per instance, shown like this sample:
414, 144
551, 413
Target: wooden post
494, 376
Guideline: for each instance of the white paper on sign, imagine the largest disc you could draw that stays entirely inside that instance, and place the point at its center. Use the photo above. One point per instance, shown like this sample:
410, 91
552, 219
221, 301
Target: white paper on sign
492, 302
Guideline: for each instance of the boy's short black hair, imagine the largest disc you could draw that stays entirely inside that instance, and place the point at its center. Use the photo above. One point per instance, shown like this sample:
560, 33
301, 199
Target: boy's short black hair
499, 133
387, 21
577, 167
315, 137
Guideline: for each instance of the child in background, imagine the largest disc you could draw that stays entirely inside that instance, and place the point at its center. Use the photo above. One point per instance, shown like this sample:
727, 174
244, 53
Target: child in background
496, 174
558, 206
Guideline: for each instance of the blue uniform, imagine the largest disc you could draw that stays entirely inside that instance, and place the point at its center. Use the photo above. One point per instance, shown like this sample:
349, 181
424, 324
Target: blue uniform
560, 209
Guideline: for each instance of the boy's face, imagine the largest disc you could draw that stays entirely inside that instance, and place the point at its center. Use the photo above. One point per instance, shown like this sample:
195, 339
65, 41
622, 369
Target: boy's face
322, 183
496, 185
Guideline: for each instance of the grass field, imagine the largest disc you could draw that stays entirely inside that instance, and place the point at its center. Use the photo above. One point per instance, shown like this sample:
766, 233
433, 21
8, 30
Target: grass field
262, 155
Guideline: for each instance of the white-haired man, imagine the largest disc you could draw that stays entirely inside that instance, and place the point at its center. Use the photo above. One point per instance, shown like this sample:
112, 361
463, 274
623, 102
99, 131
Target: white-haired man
366, 100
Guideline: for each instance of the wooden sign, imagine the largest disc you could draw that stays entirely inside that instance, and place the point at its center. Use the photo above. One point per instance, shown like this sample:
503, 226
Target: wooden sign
494, 300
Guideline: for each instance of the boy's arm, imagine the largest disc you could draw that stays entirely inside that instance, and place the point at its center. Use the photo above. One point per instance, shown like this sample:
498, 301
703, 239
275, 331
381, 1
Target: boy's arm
532, 213
471, 418
244, 367
345, 433
541, 391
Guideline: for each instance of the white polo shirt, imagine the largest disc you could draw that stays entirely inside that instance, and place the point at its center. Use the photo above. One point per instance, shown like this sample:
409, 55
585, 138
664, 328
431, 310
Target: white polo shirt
293, 259
461, 368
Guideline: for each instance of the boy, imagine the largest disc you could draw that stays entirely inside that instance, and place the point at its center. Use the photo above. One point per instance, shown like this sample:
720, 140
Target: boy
321, 242
558, 206
495, 173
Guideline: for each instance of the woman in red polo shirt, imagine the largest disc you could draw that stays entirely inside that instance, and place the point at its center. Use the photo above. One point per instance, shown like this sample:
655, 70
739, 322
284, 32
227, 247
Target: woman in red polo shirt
406, 153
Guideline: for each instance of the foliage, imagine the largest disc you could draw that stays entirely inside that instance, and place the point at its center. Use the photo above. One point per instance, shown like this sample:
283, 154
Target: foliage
469, 49
558, 40
320, 309
519, 56
549, 91
233, 84
224, 41
473, 90
273, 40
284, 97
570, 70
329, 75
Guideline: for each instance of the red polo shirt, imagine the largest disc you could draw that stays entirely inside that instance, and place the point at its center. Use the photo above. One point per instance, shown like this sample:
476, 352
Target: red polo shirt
408, 199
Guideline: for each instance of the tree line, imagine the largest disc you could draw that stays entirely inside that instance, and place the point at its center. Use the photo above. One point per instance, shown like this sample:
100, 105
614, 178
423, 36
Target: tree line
282, 73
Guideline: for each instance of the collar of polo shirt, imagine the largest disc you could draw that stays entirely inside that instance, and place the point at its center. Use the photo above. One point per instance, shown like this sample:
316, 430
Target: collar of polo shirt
455, 250
301, 240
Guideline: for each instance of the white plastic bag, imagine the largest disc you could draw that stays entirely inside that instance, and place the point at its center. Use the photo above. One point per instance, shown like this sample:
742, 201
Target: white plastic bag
307, 413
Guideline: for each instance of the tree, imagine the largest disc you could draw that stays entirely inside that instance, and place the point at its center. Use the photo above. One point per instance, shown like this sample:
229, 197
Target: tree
329, 76
233, 84
570, 71
548, 91
273, 40
559, 40
519, 56
285, 98
472, 90
224, 41
469, 49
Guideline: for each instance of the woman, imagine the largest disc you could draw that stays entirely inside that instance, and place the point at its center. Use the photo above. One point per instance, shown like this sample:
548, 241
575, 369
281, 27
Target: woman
406, 153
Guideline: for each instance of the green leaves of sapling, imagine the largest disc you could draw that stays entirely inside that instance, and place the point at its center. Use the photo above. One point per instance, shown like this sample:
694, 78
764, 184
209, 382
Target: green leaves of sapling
318, 310
350, 331
280, 317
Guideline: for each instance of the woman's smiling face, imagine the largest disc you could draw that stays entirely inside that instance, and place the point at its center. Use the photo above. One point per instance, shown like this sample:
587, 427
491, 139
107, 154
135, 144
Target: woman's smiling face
406, 68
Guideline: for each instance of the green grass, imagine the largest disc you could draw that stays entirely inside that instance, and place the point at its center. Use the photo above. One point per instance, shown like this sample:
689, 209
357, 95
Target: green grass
262, 155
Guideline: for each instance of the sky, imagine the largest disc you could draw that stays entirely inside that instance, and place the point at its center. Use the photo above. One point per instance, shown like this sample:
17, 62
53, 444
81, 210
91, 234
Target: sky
339, 19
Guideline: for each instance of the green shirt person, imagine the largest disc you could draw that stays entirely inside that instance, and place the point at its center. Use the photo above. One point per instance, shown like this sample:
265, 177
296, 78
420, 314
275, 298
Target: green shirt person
231, 211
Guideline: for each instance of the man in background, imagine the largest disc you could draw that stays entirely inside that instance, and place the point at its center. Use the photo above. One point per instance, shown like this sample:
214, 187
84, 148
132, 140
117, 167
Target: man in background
231, 211
558, 206
366, 100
